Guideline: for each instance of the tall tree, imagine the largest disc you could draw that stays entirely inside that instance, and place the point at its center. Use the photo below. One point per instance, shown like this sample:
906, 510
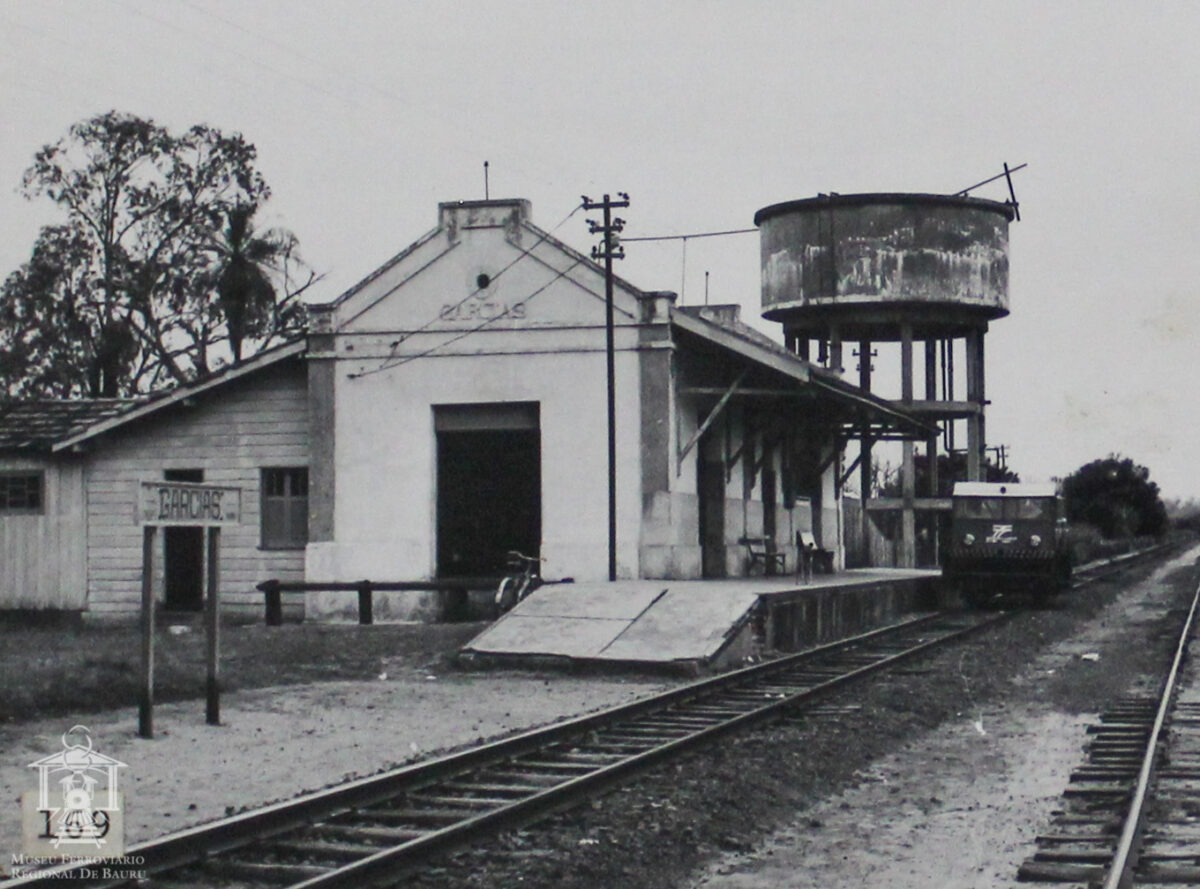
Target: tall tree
950, 469
1116, 496
122, 296
247, 263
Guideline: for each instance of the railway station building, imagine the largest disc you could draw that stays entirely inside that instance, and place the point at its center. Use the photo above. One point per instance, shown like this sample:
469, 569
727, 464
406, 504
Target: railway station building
446, 409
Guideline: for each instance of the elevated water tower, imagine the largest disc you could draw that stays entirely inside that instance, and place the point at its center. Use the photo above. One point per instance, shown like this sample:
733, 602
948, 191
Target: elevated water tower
894, 268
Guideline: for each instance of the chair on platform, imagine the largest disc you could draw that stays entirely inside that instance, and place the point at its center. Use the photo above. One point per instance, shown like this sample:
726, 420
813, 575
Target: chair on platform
761, 551
809, 556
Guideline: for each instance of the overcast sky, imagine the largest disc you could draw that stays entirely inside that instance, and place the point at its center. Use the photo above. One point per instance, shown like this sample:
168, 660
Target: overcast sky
367, 114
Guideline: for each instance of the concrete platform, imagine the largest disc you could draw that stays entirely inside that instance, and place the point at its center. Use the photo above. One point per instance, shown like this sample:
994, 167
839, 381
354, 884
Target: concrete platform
697, 624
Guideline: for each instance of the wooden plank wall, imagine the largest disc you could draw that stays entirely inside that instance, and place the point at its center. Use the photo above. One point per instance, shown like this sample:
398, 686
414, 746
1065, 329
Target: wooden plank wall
232, 433
42, 556
875, 552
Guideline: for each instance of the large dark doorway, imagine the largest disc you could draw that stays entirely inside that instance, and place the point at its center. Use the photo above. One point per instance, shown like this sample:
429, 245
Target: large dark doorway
183, 557
489, 478
710, 485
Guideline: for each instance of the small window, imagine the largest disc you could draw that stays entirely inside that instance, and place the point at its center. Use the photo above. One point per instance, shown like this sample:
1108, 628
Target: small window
980, 508
20, 492
1032, 508
285, 508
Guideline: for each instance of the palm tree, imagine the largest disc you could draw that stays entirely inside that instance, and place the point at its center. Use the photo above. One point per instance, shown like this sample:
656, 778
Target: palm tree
245, 293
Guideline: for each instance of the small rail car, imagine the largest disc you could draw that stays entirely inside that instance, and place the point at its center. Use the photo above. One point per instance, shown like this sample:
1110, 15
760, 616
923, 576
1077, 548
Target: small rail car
1006, 540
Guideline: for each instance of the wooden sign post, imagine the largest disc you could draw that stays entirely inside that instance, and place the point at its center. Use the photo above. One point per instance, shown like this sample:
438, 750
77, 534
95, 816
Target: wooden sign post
184, 504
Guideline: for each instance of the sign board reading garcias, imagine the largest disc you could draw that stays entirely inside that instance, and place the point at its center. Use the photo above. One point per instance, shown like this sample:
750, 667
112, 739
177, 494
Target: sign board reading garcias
188, 503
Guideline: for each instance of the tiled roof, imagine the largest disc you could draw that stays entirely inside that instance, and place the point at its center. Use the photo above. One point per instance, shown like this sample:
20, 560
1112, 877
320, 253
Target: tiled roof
36, 425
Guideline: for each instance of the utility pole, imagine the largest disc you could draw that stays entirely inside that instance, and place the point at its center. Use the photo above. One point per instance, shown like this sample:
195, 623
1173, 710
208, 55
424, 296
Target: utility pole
608, 250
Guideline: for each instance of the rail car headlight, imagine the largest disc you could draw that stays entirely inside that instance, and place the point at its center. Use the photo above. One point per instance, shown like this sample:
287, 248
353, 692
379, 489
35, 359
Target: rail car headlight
968, 539
1035, 540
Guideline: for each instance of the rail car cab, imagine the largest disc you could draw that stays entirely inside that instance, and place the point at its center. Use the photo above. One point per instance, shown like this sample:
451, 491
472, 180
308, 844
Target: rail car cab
1005, 539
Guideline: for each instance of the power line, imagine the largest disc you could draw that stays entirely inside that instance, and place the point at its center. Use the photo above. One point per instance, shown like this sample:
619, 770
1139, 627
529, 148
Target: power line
736, 231
291, 50
240, 56
454, 339
359, 85
683, 256
492, 279
395, 344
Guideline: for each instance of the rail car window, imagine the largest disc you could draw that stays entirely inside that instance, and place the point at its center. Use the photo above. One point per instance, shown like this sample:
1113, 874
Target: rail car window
1031, 508
980, 508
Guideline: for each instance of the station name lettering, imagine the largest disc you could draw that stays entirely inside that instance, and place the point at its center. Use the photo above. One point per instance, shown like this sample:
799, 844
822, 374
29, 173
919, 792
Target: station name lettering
482, 311
189, 503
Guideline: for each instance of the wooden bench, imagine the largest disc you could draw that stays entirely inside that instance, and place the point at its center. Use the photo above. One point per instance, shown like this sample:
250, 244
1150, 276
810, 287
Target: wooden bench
761, 551
454, 593
810, 557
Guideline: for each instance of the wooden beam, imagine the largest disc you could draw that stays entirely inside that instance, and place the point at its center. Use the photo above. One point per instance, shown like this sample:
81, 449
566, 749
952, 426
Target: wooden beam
708, 421
750, 392
944, 408
845, 476
883, 504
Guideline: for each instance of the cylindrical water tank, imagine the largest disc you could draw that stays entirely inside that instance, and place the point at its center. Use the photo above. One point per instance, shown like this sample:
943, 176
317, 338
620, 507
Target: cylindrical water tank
876, 260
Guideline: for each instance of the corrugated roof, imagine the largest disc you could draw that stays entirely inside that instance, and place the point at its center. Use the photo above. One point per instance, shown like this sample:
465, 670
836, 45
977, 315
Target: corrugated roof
720, 325
37, 424
160, 400
55, 425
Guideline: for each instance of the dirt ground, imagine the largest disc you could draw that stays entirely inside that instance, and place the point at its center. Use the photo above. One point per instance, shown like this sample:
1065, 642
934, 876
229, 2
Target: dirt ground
959, 807
276, 743
938, 774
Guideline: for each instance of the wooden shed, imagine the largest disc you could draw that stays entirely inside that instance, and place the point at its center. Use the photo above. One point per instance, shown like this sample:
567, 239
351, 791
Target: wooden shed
69, 472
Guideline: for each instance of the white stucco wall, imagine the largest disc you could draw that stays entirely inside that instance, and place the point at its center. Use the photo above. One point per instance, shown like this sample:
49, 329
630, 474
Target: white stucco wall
385, 518
422, 331
412, 337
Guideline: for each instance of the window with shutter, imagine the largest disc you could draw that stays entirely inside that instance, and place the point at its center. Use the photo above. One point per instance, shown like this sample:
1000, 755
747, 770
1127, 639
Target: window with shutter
285, 508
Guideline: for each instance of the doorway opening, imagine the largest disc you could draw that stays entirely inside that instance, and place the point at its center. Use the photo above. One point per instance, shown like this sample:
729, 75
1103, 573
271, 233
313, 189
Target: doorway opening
489, 486
183, 556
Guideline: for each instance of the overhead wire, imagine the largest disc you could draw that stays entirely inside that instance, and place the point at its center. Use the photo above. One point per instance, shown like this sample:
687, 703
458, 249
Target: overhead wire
388, 363
735, 231
683, 252
359, 85
242, 57
463, 334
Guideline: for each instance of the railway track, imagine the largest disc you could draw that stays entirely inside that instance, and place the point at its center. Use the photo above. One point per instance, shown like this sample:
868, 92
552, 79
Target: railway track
373, 829
1131, 813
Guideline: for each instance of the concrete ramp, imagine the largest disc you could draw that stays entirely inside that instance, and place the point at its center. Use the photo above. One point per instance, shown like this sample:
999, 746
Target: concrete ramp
637, 621
697, 625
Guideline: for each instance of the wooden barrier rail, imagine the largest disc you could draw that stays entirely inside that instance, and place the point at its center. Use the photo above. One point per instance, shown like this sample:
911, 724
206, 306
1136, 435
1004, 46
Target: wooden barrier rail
273, 591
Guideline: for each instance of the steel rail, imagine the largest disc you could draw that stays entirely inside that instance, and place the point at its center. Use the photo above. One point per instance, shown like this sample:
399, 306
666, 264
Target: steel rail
1115, 564
722, 703
662, 713
573, 791
1125, 858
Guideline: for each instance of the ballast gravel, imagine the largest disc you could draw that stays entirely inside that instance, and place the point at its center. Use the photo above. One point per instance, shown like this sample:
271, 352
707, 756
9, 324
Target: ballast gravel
276, 743
940, 773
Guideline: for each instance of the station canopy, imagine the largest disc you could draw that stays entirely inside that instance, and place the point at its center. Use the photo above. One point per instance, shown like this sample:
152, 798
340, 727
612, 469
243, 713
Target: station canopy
728, 360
